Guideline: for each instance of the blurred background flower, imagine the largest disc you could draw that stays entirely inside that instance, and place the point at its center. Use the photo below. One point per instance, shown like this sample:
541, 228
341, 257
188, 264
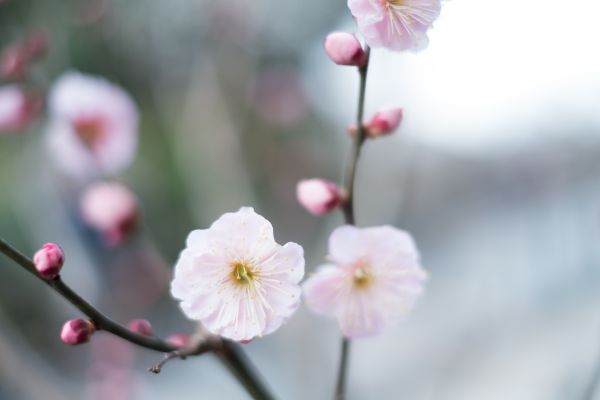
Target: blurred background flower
493, 170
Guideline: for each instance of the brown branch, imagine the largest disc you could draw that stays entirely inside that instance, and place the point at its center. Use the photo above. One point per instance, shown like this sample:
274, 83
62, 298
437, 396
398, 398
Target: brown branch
230, 353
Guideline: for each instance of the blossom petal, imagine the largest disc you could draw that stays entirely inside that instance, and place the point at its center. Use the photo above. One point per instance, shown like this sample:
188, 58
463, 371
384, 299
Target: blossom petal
324, 290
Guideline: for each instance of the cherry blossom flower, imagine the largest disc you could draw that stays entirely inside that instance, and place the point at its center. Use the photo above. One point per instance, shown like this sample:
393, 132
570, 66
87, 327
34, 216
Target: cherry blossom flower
375, 278
236, 280
17, 108
111, 209
93, 126
395, 24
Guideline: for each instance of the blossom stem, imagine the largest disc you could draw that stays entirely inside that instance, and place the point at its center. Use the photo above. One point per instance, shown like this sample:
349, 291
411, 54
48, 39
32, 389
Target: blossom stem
229, 353
359, 139
348, 206
340, 392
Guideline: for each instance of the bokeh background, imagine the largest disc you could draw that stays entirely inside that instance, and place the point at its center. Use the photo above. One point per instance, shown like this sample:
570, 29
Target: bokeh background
495, 171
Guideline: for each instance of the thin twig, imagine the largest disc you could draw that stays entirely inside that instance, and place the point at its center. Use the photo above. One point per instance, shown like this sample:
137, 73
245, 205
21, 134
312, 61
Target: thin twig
202, 346
348, 206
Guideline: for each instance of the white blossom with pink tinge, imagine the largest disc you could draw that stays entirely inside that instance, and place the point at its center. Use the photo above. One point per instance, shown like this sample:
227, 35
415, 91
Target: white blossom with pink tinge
374, 280
236, 280
395, 24
93, 126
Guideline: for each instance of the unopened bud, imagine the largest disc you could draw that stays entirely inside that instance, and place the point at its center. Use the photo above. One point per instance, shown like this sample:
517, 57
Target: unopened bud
77, 331
141, 326
343, 48
319, 196
179, 340
384, 122
49, 260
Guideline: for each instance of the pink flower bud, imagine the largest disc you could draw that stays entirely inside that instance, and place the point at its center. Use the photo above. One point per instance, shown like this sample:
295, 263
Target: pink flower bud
17, 108
141, 326
319, 196
13, 62
77, 331
179, 340
344, 49
384, 122
49, 260
111, 209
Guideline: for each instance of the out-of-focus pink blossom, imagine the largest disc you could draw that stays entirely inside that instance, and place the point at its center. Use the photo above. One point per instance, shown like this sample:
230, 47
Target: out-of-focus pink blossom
140, 326
49, 260
77, 331
385, 122
112, 209
17, 108
179, 340
13, 62
236, 280
93, 126
395, 24
278, 97
344, 49
35, 45
375, 278
319, 196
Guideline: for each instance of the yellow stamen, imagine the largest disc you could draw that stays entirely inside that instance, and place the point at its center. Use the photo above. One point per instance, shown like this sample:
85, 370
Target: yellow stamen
361, 277
242, 273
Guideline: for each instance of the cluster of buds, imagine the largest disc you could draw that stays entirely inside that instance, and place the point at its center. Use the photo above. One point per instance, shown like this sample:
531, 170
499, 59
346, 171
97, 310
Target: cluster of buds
18, 57
319, 196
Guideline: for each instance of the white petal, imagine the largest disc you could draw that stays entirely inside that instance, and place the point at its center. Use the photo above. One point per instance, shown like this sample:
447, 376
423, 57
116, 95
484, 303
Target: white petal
245, 233
326, 290
345, 246
286, 264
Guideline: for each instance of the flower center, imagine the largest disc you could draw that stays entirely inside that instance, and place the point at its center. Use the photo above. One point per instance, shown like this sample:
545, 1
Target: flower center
361, 277
89, 131
242, 273
388, 3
